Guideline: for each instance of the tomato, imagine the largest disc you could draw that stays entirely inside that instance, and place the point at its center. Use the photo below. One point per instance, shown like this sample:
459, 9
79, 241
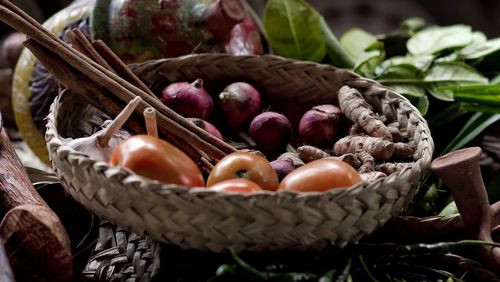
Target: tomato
240, 185
320, 175
245, 165
157, 159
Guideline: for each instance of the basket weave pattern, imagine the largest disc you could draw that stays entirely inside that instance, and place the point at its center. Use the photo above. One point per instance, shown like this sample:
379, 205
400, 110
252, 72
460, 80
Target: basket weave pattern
207, 220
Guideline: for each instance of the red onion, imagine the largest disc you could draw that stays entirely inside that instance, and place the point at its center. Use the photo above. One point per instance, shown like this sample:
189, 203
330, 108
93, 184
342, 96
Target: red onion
270, 130
205, 125
188, 100
320, 124
282, 167
239, 103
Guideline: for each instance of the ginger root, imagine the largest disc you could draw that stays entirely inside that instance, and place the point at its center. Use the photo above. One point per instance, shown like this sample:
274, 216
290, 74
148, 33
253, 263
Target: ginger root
380, 149
309, 153
359, 111
294, 157
367, 161
403, 150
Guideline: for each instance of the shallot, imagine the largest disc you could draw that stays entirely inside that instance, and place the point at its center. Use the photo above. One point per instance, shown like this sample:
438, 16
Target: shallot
270, 130
188, 99
239, 103
205, 125
319, 125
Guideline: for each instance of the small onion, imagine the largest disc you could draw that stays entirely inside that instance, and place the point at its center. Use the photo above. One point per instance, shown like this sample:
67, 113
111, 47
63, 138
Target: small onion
239, 103
283, 167
270, 130
205, 125
320, 124
188, 99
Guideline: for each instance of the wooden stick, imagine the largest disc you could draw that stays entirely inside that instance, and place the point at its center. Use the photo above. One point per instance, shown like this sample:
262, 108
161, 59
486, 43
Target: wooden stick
120, 68
33, 236
150, 120
90, 49
93, 94
96, 72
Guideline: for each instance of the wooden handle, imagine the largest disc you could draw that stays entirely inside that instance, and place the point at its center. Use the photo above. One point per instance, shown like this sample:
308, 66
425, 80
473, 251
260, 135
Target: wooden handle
461, 173
35, 240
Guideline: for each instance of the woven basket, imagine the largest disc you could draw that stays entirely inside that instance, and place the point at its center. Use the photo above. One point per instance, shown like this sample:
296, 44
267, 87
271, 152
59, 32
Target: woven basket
208, 220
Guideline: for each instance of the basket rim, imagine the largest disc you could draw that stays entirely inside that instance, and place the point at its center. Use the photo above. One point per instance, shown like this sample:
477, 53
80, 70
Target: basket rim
53, 138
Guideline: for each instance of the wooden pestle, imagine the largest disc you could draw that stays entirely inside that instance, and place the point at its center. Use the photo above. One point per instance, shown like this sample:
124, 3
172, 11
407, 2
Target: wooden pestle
35, 240
461, 173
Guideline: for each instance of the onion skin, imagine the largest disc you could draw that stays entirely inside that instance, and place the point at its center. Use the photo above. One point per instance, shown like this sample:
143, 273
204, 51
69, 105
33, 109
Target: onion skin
239, 103
188, 99
283, 167
270, 130
319, 125
208, 127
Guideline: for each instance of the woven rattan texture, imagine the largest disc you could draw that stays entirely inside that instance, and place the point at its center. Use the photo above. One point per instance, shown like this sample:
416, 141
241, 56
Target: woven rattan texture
207, 220
122, 256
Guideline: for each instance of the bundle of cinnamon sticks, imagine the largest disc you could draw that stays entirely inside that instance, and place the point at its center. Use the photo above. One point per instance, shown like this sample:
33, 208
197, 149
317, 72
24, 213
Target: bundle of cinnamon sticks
94, 73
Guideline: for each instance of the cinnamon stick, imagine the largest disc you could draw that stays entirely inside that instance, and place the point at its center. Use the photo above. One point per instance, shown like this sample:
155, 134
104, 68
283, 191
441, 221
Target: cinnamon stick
118, 86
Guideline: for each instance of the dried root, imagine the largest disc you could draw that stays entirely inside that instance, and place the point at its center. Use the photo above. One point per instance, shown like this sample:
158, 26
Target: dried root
380, 149
349, 159
372, 176
390, 168
294, 157
367, 161
359, 111
310, 153
403, 150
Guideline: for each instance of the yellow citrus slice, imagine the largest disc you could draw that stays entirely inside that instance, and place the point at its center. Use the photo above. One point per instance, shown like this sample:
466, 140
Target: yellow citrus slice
21, 93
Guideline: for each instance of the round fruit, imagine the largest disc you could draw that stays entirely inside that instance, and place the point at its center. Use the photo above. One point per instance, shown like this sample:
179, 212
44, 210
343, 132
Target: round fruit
320, 175
157, 159
245, 165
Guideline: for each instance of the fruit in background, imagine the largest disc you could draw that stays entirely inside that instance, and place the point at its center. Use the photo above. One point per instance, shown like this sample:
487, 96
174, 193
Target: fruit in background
144, 29
239, 102
188, 99
157, 159
245, 165
244, 39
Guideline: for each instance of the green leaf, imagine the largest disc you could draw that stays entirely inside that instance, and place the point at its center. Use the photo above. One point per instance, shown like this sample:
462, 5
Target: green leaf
337, 54
474, 126
495, 80
413, 24
369, 59
420, 62
434, 39
450, 209
479, 50
411, 90
355, 41
482, 108
293, 29
451, 73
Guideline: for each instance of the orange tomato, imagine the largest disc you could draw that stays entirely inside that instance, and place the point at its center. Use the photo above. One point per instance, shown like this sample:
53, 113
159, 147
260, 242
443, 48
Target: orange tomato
320, 175
245, 165
239, 185
157, 159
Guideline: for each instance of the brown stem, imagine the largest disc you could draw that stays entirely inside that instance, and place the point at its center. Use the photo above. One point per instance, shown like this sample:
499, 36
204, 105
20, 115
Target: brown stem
150, 119
118, 122
461, 173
